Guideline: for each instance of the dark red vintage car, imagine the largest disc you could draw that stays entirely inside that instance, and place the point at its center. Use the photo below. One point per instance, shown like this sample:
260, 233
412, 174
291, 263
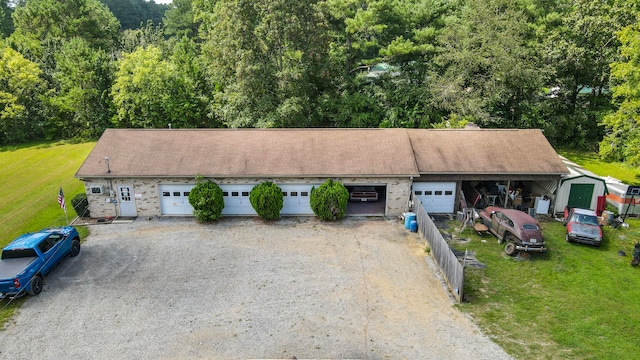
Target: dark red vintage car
519, 230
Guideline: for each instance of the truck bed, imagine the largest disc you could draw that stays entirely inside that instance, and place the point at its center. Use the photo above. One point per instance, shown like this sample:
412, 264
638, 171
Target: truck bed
9, 268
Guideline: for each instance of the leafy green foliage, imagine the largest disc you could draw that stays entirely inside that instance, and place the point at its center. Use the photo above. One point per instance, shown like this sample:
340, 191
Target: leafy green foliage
622, 141
81, 205
133, 13
67, 19
206, 200
329, 200
267, 200
20, 88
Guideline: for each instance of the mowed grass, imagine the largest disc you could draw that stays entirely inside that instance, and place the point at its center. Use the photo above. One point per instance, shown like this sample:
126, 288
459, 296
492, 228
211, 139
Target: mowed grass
30, 181
590, 161
574, 302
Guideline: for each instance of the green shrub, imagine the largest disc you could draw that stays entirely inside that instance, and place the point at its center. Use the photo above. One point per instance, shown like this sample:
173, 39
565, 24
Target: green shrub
267, 200
329, 200
81, 205
206, 200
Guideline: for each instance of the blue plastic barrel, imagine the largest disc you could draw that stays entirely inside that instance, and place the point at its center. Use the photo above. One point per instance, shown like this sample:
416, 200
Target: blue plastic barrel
413, 226
407, 219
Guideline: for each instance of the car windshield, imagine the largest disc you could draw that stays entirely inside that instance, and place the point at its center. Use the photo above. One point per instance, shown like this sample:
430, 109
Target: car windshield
530, 227
585, 219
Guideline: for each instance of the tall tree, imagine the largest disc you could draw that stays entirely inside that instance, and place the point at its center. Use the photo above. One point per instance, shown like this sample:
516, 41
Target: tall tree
84, 77
579, 42
486, 70
133, 14
268, 59
6, 23
20, 91
152, 92
622, 140
179, 19
67, 19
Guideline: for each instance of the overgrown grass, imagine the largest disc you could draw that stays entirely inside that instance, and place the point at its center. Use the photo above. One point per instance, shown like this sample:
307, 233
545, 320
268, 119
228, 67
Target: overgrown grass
574, 302
590, 161
31, 179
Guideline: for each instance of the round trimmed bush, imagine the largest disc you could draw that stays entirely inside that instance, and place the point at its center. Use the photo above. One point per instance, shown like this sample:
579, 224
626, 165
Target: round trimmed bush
329, 200
267, 200
206, 200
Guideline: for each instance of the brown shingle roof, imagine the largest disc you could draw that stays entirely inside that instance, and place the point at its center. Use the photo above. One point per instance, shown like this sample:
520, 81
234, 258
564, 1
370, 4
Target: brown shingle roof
319, 153
251, 152
484, 151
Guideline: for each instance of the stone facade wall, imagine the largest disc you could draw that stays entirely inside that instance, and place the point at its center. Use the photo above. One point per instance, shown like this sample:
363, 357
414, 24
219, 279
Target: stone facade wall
147, 198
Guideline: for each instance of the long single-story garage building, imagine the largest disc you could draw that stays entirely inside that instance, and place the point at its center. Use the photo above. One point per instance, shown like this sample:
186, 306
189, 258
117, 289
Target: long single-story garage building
134, 172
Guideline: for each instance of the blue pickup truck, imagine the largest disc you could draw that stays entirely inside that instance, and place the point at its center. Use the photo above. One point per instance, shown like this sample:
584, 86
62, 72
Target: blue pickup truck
27, 259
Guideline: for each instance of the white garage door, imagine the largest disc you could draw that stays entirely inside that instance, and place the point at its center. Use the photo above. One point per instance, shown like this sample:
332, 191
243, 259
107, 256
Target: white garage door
296, 199
436, 197
236, 200
174, 199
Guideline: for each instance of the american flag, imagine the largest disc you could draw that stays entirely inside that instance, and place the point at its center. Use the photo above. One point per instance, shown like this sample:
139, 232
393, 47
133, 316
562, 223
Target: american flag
61, 200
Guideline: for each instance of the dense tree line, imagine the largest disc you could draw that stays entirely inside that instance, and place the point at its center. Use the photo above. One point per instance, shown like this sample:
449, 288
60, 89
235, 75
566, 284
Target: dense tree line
70, 68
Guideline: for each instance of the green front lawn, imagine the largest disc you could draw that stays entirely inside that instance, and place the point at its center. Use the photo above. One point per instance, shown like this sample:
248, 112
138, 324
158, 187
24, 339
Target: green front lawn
32, 177
574, 302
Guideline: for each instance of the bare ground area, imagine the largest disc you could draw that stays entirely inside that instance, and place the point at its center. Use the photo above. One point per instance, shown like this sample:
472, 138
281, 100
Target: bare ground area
245, 289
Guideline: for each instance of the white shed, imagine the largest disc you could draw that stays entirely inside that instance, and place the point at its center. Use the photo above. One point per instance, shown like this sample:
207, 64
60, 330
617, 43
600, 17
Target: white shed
581, 188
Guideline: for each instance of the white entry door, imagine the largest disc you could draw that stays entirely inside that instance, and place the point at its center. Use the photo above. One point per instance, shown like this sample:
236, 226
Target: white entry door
296, 199
436, 197
174, 199
236, 200
127, 201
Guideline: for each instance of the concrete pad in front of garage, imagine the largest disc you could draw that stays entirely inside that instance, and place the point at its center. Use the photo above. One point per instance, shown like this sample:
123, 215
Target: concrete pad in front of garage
241, 288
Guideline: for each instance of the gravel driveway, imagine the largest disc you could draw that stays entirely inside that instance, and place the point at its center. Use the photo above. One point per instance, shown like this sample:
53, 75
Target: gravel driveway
170, 288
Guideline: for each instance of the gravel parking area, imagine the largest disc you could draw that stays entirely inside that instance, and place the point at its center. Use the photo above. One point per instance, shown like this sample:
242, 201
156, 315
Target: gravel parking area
170, 288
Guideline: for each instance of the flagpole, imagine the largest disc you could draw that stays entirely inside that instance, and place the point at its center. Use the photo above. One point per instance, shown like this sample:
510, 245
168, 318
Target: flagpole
63, 204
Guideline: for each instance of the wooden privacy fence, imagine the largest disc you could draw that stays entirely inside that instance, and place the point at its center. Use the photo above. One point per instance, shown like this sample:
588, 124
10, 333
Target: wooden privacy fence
446, 260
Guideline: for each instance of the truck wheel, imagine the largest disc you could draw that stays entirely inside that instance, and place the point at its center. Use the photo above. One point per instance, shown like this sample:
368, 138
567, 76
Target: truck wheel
75, 248
36, 285
510, 249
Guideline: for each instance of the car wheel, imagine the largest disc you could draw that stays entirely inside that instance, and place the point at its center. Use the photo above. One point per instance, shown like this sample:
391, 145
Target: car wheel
75, 248
566, 237
36, 285
510, 249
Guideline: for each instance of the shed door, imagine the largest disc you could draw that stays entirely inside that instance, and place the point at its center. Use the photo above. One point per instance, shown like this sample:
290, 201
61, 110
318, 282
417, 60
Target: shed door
436, 197
580, 195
